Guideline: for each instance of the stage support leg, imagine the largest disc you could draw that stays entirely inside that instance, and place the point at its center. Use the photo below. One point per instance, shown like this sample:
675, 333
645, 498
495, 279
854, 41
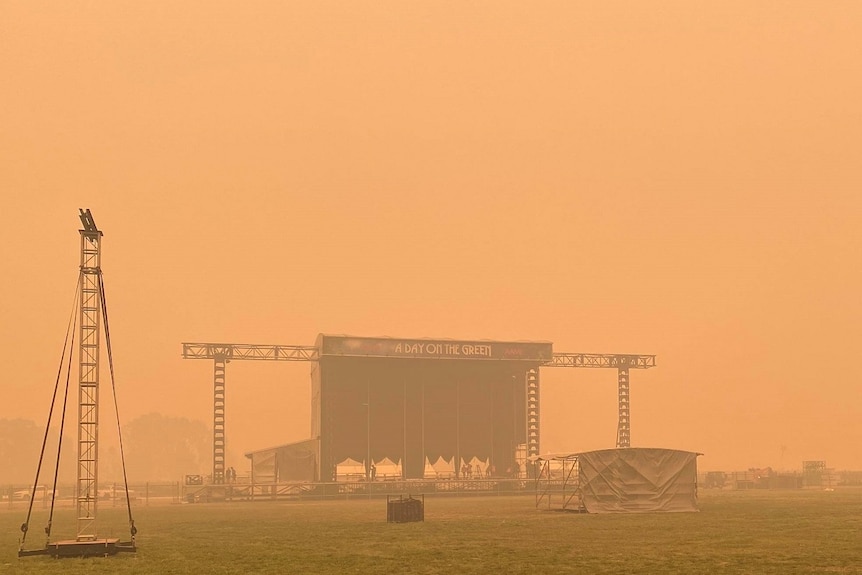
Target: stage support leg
458, 430
532, 417
404, 431
368, 460
624, 425
218, 419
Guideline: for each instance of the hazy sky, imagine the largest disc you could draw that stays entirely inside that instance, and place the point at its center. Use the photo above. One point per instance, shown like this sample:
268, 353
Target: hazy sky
673, 178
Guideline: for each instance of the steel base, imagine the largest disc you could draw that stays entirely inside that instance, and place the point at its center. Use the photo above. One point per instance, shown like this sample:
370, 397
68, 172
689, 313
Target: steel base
73, 548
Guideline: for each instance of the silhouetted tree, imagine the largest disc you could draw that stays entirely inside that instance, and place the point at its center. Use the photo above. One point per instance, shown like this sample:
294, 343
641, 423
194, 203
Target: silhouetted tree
20, 444
162, 448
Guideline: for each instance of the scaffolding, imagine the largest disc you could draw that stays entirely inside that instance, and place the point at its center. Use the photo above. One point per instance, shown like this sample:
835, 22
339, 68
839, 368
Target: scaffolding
557, 482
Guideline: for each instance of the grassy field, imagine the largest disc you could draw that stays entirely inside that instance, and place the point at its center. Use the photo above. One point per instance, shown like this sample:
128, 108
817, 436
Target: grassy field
735, 532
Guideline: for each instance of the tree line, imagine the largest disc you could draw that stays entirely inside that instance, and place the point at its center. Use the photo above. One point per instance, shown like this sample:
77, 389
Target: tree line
157, 448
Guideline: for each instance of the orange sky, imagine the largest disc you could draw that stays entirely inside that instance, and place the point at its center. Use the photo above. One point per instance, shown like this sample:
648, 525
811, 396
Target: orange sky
673, 178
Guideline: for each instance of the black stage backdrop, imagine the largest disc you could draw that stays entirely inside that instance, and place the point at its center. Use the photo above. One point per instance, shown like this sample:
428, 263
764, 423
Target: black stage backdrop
413, 410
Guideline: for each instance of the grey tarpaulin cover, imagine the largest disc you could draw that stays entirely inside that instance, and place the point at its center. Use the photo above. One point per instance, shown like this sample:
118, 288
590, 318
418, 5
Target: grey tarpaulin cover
634, 480
285, 463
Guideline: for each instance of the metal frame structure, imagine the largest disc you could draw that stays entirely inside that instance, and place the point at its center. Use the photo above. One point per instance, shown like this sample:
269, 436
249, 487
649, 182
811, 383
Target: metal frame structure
558, 475
222, 353
87, 493
815, 474
602, 360
219, 441
92, 316
532, 413
623, 363
231, 351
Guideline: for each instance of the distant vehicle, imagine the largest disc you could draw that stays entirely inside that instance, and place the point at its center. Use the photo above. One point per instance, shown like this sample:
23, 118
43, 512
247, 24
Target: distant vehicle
116, 493
41, 492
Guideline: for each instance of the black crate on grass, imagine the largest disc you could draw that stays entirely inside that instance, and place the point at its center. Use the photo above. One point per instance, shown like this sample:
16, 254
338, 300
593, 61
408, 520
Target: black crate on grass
403, 510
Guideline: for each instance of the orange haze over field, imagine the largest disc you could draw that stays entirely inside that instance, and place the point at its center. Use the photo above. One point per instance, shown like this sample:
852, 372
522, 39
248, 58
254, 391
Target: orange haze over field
675, 178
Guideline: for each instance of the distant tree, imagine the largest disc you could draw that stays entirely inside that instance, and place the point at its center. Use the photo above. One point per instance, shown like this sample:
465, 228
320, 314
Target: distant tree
20, 445
162, 448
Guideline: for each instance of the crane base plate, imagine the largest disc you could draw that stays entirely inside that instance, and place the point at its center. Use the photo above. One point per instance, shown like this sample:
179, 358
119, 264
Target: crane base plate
73, 548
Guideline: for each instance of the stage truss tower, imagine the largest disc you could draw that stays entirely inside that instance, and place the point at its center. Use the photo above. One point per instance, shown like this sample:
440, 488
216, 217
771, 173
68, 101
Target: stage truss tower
532, 412
623, 363
222, 354
219, 441
88, 385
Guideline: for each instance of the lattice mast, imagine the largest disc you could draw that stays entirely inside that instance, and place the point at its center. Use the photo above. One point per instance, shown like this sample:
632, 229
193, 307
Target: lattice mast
90, 308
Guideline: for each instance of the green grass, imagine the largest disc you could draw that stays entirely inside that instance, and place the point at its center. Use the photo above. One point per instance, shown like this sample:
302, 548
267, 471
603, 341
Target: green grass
736, 532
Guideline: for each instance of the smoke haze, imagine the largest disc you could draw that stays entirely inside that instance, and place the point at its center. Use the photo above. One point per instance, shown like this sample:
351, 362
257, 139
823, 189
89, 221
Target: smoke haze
680, 180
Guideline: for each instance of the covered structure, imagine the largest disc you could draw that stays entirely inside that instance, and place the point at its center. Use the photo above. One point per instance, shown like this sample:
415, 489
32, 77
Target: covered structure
286, 463
627, 480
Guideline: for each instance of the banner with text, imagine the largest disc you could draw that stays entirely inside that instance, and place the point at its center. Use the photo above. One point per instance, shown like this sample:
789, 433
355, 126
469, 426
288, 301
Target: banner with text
434, 349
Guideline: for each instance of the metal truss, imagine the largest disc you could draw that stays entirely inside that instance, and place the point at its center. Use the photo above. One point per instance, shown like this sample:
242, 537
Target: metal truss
267, 352
624, 425
558, 475
88, 384
623, 363
219, 441
602, 360
532, 413
229, 351
222, 353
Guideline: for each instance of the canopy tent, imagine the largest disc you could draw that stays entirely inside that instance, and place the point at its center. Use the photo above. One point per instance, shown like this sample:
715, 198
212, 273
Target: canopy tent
629, 480
350, 470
